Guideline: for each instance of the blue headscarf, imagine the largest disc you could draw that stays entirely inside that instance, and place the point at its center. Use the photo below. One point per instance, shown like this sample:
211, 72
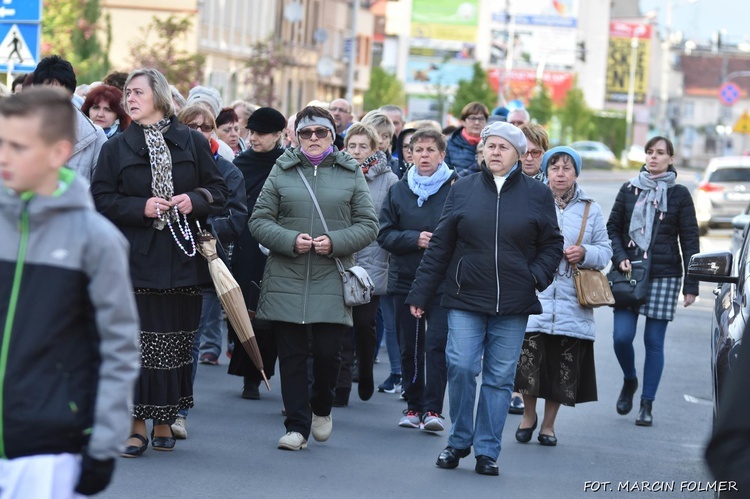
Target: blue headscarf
424, 187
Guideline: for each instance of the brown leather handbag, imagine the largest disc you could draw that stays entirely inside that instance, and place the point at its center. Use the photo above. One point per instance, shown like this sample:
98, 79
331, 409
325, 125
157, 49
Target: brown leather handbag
592, 286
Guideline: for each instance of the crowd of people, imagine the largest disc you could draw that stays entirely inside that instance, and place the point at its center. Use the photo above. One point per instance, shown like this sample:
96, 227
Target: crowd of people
470, 235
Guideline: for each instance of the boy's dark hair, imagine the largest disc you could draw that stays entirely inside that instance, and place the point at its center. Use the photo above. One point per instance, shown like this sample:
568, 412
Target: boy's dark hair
55, 68
18, 80
116, 79
58, 120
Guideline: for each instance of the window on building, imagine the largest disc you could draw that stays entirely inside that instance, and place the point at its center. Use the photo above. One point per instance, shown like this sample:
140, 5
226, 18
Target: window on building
688, 108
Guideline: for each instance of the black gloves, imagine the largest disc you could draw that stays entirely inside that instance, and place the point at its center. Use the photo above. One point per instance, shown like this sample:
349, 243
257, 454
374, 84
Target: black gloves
95, 474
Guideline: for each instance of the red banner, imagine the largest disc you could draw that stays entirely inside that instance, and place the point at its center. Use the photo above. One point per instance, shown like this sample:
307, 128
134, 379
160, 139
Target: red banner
522, 83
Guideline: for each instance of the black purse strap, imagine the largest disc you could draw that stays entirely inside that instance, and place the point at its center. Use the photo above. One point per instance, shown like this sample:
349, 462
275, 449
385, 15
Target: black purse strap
339, 265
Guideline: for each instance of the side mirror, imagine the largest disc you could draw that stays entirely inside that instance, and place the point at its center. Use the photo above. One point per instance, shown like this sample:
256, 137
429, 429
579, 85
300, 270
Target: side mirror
740, 222
712, 267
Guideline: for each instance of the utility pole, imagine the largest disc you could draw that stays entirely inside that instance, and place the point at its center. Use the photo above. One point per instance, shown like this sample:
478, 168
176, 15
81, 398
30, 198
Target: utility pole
353, 51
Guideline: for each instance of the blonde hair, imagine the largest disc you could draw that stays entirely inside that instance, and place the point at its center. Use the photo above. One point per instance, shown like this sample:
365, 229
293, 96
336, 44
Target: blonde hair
362, 129
159, 86
380, 122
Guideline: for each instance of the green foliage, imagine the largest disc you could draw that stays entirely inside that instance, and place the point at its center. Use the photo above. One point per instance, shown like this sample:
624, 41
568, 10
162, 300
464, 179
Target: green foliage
541, 108
477, 89
610, 129
158, 48
576, 118
385, 88
72, 29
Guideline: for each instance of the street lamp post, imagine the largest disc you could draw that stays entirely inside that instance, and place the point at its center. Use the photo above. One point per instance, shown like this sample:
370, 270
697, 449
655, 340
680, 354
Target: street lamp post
353, 51
631, 90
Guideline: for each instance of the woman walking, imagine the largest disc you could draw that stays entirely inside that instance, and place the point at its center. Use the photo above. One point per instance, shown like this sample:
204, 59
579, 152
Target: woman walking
154, 181
653, 218
557, 357
301, 292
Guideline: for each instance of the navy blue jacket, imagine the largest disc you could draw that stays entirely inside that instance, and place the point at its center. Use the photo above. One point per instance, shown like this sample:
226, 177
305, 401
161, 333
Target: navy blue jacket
460, 155
492, 250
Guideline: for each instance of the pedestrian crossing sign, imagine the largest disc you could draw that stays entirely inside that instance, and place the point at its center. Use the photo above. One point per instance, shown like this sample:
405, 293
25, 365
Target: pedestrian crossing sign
19, 48
743, 124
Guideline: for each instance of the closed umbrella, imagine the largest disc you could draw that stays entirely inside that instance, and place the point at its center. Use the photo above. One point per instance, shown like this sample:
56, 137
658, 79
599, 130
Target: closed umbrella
231, 298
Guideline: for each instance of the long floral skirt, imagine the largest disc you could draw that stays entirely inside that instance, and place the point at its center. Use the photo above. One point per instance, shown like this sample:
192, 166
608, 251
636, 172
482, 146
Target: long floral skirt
169, 322
557, 368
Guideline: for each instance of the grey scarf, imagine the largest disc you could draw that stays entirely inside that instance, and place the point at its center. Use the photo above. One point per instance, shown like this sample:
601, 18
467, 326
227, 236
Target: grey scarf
652, 196
161, 164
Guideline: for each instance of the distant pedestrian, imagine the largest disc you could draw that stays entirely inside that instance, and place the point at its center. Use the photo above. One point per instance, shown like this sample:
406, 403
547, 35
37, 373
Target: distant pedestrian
496, 246
557, 357
301, 292
228, 129
103, 105
538, 143
461, 149
69, 319
154, 181
651, 201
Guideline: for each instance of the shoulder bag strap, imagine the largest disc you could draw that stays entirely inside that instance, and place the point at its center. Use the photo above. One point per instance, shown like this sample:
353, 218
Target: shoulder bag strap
339, 265
583, 229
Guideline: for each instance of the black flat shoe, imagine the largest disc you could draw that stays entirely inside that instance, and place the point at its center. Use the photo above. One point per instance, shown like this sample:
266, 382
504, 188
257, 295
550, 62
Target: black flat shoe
449, 458
523, 435
486, 466
516, 405
625, 400
162, 443
548, 440
645, 418
250, 390
135, 450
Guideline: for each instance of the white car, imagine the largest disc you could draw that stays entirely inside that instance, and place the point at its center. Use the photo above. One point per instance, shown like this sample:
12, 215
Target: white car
723, 193
595, 154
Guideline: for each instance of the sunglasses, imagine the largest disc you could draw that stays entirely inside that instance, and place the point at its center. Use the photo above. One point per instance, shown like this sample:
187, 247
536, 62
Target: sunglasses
534, 154
320, 133
205, 128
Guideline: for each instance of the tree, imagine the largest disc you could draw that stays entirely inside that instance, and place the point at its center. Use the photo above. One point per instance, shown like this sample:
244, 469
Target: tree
576, 118
541, 108
159, 48
384, 89
477, 89
72, 29
266, 58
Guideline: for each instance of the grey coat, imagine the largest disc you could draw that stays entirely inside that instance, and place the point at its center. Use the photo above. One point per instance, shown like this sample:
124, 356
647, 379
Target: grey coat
562, 315
374, 259
91, 138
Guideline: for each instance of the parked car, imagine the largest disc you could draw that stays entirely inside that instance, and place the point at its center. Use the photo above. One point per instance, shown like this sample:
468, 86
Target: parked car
595, 154
731, 308
636, 156
723, 192
739, 227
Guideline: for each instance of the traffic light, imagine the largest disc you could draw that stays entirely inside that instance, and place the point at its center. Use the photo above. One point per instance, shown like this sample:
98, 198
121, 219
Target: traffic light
582, 51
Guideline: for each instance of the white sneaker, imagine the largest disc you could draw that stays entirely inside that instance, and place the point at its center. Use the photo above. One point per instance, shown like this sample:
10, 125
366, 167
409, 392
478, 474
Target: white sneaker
179, 428
322, 426
293, 441
432, 421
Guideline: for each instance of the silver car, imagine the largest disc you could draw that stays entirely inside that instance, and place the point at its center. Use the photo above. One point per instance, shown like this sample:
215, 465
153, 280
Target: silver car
595, 154
723, 193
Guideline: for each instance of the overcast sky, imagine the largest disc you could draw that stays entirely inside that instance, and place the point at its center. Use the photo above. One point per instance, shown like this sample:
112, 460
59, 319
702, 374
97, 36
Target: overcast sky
698, 20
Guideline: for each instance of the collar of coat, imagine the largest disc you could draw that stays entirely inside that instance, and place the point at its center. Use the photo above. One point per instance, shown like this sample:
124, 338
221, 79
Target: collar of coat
489, 179
177, 134
293, 157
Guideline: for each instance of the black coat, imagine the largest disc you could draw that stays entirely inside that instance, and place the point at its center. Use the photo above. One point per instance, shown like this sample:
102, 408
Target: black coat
122, 184
678, 222
228, 225
401, 221
248, 261
492, 250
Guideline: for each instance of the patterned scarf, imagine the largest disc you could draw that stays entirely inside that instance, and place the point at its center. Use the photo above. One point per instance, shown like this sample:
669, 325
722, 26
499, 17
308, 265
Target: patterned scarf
652, 196
161, 164
563, 200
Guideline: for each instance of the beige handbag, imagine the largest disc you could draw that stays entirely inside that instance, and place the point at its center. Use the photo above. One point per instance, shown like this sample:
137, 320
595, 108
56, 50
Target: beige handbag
592, 286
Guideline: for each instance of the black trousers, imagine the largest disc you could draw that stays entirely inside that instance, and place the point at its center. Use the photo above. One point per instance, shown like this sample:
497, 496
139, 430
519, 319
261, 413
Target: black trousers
362, 340
423, 342
294, 349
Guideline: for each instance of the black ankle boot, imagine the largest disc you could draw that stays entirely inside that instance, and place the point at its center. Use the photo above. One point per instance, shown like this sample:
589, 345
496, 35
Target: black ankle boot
644, 415
625, 401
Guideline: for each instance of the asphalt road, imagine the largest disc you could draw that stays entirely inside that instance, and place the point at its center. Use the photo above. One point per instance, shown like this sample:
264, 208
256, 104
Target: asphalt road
231, 446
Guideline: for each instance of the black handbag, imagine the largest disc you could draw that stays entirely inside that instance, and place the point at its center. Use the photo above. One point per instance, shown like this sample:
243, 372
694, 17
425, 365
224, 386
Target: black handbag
630, 289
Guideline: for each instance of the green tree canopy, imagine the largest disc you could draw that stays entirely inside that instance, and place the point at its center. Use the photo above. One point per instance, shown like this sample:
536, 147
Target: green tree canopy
477, 89
72, 29
385, 88
576, 118
158, 48
541, 108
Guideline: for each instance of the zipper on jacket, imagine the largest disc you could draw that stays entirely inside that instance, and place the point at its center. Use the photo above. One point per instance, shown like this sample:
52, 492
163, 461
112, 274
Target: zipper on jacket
497, 270
308, 266
15, 290
458, 274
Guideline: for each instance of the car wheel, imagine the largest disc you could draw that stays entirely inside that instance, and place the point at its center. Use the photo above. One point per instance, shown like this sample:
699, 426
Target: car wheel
702, 229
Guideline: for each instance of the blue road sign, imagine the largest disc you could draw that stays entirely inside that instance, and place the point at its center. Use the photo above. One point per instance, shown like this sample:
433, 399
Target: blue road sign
20, 43
729, 93
21, 11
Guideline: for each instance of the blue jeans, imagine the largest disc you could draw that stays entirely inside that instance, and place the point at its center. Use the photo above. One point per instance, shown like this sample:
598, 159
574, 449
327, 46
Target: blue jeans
391, 333
212, 328
490, 344
625, 322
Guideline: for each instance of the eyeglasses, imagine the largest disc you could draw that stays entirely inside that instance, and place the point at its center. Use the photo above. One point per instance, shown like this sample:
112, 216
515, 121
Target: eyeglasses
534, 154
476, 119
205, 128
320, 133
338, 110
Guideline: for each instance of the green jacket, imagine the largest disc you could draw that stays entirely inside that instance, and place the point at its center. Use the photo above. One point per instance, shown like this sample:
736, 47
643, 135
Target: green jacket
307, 288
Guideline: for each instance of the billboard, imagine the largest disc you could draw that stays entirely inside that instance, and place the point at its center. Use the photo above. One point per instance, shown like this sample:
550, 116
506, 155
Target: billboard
445, 19
619, 60
522, 83
439, 62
